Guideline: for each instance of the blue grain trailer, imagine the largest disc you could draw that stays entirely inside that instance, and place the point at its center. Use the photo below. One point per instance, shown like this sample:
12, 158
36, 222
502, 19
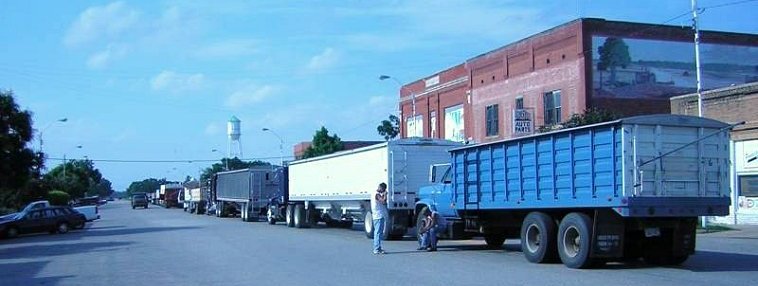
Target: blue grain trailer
612, 191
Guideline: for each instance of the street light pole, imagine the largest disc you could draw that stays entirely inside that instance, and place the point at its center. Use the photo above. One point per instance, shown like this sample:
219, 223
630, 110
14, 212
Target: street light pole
64, 161
281, 143
41, 142
413, 102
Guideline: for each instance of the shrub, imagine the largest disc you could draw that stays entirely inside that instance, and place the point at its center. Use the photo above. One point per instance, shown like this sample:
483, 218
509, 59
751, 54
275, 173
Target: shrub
58, 198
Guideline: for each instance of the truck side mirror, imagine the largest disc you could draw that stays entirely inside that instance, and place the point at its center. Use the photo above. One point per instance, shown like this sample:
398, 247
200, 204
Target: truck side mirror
432, 174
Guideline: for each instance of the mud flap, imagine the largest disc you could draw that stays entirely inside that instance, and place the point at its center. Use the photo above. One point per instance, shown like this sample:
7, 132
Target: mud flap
608, 235
684, 237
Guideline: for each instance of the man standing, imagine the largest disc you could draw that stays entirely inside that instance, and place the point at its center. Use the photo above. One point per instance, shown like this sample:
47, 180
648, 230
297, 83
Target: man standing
379, 214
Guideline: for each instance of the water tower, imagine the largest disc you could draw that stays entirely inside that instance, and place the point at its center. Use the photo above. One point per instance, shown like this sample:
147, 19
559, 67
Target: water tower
234, 132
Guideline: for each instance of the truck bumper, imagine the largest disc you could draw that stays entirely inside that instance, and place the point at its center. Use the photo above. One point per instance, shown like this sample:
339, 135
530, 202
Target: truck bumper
674, 207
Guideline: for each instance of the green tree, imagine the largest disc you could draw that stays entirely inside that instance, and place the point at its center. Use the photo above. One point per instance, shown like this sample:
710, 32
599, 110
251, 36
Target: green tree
76, 177
103, 189
613, 53
323, 144
590, 116
389, 128
144, 186
58, 198
19, 165
233, 164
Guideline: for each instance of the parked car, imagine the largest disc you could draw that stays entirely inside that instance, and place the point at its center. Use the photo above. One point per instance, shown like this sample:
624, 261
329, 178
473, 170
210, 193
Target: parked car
49, 219
90, 212
139, 200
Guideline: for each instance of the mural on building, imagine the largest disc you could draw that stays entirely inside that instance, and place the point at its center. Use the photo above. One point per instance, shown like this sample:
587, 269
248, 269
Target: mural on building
635, 68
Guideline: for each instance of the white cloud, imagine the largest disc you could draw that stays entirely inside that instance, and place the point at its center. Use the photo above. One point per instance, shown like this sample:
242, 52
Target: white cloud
103, 58
324, 60
176, 82
250, 94
229, 48
108, 21
213, 129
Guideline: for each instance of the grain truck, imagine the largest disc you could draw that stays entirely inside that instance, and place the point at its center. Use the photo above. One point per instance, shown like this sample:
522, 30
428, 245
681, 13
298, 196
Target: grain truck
337, 188
245, 192
195, 199
169, 195
612, 191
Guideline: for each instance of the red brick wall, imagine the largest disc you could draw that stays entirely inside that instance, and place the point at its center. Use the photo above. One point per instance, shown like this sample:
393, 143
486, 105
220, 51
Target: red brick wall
731, 105
428, 99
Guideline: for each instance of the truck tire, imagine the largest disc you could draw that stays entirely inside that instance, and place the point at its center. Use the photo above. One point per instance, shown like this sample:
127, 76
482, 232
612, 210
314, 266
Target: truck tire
299, 216
289, 216
312, 217
574, 240
392, 229
368, 224
538, 238
270, 215
494, 240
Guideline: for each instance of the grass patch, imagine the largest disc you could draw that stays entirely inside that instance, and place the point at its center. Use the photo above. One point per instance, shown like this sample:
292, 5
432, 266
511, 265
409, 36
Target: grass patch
711, 228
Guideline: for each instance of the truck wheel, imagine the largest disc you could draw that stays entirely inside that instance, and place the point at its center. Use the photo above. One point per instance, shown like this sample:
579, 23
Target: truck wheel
368, 224
270, 216
289, 216
11, 232
494, 240
312, 217
244, 212
62, 227
346, 224
392, 229
574, 238
538, 238
299, 216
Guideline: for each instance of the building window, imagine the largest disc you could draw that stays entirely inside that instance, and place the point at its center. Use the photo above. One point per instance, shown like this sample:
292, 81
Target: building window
552, 101
492, 120
454, 123
749, 186
414, 126
519, 102
433, 124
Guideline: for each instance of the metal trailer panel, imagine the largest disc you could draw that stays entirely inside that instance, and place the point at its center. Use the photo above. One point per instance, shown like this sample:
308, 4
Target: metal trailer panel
595, 166
254, 184
354, 175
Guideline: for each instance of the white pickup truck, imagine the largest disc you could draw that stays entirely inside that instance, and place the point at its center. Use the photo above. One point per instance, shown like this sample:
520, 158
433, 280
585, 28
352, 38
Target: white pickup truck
91, 213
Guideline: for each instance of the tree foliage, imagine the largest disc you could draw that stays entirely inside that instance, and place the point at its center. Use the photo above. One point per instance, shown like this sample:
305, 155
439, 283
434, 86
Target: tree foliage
144, 186
77, 178
233, 164
19, 165
590, 116
58, 198
613, 53
389, 128
323, 144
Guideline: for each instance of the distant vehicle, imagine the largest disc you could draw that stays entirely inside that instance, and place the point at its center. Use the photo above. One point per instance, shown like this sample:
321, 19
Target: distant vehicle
139, 200
244, 191
48, 219
91, 212
110, 199
169, 195
195, 200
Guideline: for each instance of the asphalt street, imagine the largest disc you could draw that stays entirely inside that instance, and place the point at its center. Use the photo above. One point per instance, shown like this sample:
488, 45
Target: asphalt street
160, 246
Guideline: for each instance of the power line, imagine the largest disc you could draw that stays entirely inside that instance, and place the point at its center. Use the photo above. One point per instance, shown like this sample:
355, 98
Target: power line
189, 161
727, 4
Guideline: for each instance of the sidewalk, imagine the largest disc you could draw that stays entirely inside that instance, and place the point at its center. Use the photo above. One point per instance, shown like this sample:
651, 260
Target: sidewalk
740, 230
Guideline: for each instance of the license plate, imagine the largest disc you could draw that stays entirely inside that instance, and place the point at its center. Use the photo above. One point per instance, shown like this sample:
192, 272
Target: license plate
652, 231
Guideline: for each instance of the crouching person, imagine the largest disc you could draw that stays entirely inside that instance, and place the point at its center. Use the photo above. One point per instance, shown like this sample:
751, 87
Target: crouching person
428, 232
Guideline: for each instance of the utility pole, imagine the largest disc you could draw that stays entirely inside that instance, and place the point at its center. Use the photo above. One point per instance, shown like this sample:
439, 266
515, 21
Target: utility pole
703, 219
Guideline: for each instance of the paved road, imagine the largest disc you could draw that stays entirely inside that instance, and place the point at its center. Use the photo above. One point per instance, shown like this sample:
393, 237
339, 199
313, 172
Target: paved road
169, 247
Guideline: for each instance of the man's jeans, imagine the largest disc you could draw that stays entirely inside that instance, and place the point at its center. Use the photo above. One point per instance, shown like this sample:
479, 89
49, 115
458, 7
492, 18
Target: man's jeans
378, 233
429, 238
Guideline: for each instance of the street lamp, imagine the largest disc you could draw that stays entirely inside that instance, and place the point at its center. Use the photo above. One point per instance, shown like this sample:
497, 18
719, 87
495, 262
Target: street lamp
226, 160
281, 143
64, 119
413, 101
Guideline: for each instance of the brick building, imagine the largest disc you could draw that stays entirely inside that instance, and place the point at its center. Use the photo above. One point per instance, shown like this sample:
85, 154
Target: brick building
733, 104
628, 68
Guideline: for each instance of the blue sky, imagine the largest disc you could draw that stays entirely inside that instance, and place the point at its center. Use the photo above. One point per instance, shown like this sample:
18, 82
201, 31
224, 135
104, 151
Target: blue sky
157, 80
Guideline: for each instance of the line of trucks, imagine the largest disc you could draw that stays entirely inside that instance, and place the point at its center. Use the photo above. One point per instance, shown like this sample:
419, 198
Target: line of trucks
614, 191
